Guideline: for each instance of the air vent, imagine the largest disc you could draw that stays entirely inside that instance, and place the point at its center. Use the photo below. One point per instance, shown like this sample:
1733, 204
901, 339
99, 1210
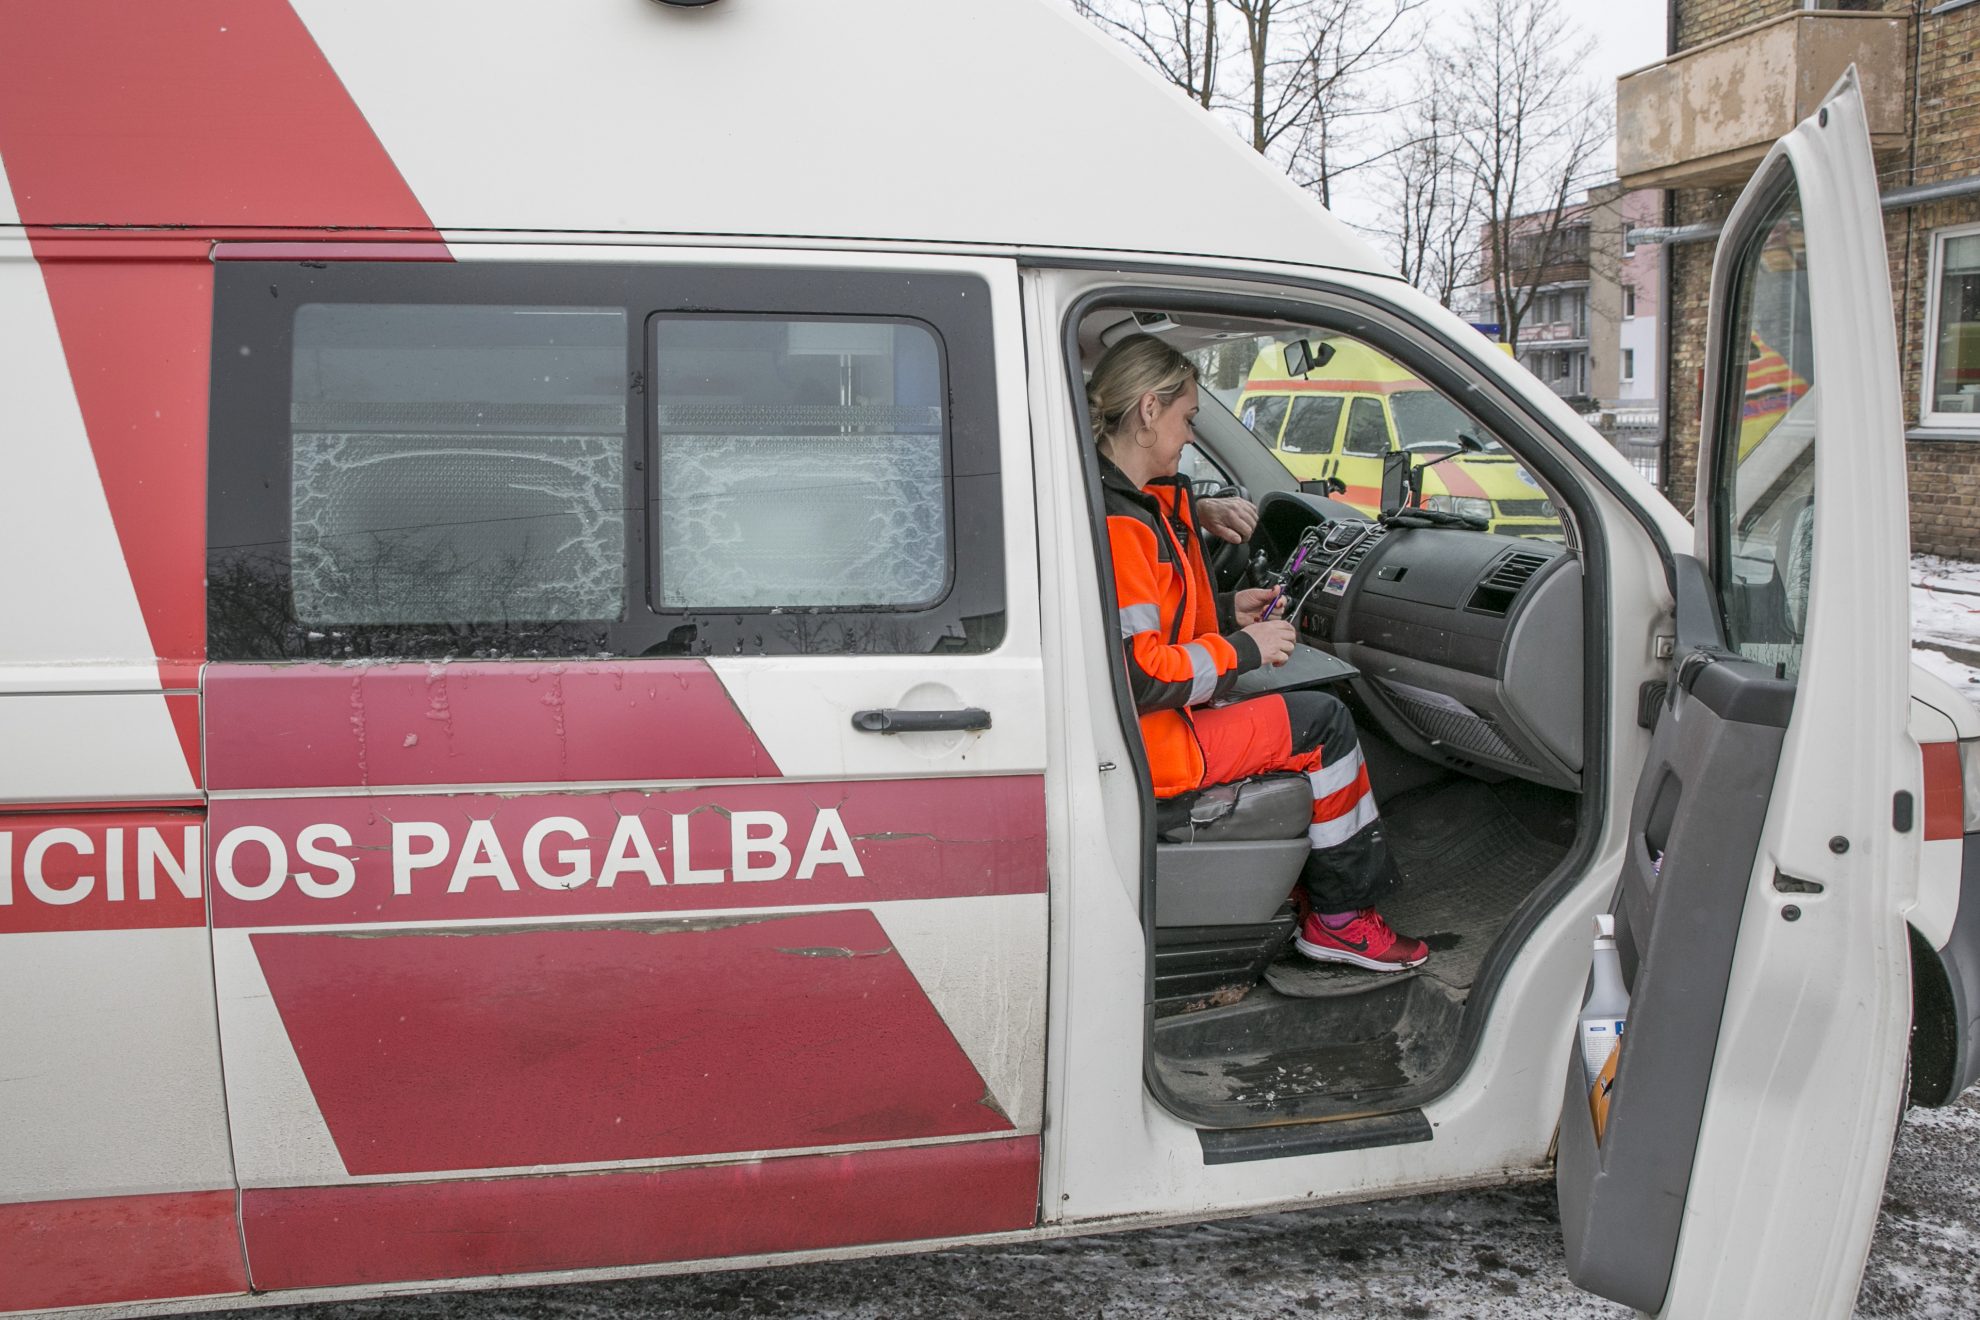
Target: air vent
1496, 593
1514, 570
1360, 551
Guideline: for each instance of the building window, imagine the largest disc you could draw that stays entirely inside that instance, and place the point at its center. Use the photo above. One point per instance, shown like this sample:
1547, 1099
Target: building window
1629, 364
1952, 331
1629, 302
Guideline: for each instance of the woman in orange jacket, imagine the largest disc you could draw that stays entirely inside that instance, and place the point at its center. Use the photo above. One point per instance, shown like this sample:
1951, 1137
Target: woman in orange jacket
1185, 647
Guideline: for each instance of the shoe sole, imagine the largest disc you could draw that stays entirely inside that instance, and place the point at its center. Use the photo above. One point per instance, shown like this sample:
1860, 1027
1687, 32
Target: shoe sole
1321, 953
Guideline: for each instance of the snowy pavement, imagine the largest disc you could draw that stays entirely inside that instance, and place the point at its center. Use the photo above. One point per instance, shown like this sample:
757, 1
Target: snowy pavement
1488, 1255
1945, 620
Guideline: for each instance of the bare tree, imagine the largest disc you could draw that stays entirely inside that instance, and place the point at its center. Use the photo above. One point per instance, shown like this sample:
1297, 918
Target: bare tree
1346, 42
1285, 73
1429, 197
1177, 37
1532, 134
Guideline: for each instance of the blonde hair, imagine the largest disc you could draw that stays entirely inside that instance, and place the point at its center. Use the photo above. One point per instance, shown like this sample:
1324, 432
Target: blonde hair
1137, 365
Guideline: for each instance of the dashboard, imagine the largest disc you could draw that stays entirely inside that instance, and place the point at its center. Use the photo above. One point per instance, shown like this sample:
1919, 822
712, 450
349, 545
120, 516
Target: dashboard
1469, 644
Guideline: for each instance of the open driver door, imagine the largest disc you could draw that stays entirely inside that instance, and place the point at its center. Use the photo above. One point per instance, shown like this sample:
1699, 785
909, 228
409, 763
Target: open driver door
1773, 839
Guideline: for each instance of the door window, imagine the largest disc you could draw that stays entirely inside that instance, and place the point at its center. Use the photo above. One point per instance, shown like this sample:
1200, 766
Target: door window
801, 464
1367, 429
1765, 462
1310, 429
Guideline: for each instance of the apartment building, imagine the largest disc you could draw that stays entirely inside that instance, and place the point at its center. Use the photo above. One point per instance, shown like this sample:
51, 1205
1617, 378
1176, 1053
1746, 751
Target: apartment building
1740, 74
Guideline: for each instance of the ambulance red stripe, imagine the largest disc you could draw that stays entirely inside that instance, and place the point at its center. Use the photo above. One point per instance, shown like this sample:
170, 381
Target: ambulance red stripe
496, 1047
334, 726
111, 1249
422, 858
1458, 481
379, 1233
197, 115
101, 870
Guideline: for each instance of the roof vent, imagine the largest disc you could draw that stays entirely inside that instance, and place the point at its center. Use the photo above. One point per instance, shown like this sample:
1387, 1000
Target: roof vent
1501, 586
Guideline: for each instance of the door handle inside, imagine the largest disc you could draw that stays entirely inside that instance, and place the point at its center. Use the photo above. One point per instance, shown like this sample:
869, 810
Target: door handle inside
920, 721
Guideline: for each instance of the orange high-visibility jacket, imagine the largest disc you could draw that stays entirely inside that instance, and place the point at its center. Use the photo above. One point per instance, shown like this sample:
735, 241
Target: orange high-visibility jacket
1171, 631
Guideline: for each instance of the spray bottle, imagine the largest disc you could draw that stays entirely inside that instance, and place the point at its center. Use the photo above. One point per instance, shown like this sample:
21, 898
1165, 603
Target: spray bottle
1607, 1009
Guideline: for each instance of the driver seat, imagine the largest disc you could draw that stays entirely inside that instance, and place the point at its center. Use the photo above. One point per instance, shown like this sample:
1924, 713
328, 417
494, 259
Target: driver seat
1226, 859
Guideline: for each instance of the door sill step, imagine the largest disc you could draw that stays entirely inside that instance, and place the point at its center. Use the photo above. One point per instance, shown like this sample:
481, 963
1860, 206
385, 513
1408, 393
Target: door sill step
1284, 1141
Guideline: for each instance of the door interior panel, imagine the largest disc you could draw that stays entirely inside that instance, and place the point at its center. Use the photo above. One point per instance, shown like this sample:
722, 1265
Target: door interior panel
1694, 832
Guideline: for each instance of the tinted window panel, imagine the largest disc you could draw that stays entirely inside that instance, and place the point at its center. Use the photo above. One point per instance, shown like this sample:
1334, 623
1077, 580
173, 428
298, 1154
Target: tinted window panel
1265, 415
1367, 433
1311, 428
801, 464
457, 465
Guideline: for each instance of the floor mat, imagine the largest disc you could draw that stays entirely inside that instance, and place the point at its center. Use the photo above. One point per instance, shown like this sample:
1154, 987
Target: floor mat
1466, 865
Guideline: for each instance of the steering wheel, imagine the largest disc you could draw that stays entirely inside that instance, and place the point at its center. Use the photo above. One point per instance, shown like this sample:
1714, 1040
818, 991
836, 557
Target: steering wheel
1227, 561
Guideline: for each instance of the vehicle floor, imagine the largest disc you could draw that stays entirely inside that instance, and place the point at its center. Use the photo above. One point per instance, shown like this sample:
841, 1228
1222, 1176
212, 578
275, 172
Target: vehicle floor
1318, 1039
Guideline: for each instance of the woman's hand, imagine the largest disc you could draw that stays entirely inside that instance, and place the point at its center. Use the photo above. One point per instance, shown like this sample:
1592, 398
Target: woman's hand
1230, 518
1249, 604
1275, 638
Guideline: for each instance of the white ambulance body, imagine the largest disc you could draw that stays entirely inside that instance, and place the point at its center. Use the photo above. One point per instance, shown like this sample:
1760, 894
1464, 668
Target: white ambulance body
562, 703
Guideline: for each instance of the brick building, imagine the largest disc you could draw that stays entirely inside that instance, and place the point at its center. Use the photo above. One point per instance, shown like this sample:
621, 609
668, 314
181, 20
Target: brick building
1740, 74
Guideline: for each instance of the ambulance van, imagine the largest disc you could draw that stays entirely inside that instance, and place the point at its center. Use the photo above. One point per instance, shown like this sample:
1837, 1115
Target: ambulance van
1350, 407
564, 715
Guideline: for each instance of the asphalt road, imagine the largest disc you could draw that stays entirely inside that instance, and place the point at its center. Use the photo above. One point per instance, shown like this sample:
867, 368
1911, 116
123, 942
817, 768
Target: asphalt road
1492, 1255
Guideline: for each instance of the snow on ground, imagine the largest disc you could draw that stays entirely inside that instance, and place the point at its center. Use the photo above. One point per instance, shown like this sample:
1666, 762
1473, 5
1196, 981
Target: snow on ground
1945, 620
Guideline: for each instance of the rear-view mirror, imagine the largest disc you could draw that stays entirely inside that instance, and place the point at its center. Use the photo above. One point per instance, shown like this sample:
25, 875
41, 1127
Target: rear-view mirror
1305, 355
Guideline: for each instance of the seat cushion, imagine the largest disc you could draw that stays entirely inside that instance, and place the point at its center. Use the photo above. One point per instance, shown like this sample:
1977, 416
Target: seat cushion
1264, 807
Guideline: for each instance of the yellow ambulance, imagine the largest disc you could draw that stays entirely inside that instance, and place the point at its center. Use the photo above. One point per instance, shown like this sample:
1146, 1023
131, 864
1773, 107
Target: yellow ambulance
1355, 405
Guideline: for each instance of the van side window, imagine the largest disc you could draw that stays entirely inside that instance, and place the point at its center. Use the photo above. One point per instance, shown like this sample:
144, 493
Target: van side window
1310, 429
456, 464
1367, 432
1265, 415
800, 463
492, 459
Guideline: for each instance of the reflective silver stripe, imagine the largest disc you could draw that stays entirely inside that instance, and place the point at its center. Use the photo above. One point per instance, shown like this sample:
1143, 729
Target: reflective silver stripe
1333, 778
1140, 619
1203, 673
1327, 833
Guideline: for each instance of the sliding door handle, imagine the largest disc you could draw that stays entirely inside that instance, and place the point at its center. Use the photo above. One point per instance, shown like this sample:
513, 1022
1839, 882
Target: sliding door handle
921, 721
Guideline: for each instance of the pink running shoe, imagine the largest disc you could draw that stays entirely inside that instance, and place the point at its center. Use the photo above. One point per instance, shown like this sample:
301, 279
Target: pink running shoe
1365, 941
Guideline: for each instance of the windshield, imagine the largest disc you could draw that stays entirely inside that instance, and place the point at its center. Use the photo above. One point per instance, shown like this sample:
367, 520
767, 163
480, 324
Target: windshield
1428, 423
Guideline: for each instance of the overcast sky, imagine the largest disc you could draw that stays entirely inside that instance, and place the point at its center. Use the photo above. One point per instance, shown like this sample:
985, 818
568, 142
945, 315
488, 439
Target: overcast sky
1628, 35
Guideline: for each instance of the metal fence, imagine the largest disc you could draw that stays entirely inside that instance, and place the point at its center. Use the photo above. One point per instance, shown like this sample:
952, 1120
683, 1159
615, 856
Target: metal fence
1639, 439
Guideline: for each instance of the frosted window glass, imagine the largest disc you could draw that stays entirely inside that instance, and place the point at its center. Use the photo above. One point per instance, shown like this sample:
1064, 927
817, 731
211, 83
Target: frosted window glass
458, 465
802, 465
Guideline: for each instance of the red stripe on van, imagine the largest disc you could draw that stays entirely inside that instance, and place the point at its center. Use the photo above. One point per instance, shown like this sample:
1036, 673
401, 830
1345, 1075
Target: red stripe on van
119, 1249
342, 726
1945, 798
82, 872
941, 837
1457, 481
198, 115
490, 1047
380, 1232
